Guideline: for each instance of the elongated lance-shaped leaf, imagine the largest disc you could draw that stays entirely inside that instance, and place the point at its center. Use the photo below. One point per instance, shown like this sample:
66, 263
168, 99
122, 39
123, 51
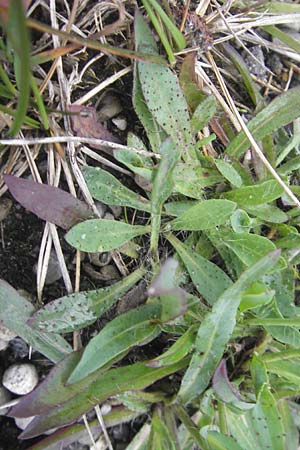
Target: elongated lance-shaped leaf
135, 327
106, 188
216, 329
204, 215
282, 110
164, 97
257, 194
101, 235
144, 38
115, 381
162, 187
229, 172
20, 43
78, 310
15, 310
209, 280
204, 112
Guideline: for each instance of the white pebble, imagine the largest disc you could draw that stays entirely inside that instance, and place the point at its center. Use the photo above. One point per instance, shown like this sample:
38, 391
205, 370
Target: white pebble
20, 378
120, 123
22, 422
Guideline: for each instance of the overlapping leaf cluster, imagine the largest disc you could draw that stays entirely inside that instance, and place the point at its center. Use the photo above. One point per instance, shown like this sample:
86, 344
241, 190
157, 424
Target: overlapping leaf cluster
242, 288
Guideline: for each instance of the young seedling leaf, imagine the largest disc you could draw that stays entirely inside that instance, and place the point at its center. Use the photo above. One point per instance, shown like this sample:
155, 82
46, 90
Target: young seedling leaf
226, 390
209, 280
240, 221
115, 381
173, 299
203, 113
204, 215
257, 295
229, 172
48, 202
101, 235
106, 188
15, 310
78, 310
135, 327
216, 329
257, 194
282, 110
181, 348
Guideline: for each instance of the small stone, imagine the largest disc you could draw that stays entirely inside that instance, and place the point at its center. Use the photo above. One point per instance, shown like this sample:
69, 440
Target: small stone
20, 378
120, 123
4, 398
109, 216
105, 409
19, 348
109, 273
6, 334
53, 272
101, 208
22, 422
256, 64
116, 210
111, 107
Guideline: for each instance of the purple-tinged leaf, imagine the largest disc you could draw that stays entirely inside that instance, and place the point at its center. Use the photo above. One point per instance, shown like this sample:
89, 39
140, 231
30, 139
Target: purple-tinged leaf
115, 381
173, 298
225, 390
48, 202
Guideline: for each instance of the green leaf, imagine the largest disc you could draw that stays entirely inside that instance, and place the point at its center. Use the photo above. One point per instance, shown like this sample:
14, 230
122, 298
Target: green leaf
240, 221
257, 295
203, 113
135, 327
78, 310
160, 436
15, 310
182, 347
106, 188
204, 215
219, 441
209, 280
162, 187
229, 172
247, 246
20, 42
178, 208
282, 110
260, 428
267, 213
256, 195
115, 381
167, 105
216, 329
190, 179
101, 235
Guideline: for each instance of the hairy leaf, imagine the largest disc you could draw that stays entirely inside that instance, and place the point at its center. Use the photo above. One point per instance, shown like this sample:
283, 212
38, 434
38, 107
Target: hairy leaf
209, 280
106, 188
257, 194
204, 215
78, 310
101, 235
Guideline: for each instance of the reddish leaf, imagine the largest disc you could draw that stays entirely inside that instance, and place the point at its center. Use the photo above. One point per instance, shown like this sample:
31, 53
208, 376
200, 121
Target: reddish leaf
225, 390
47, 202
